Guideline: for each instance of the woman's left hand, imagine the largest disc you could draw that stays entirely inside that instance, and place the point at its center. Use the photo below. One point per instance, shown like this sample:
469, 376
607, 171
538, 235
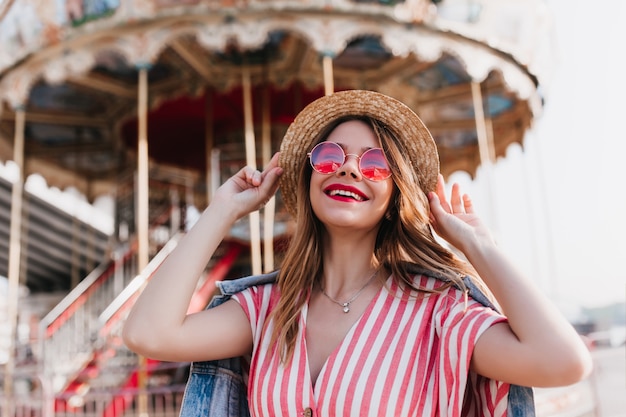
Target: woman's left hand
546, 348
455, 220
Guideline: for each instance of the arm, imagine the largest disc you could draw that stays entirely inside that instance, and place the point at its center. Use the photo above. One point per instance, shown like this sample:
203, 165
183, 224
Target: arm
158, 325
538, 347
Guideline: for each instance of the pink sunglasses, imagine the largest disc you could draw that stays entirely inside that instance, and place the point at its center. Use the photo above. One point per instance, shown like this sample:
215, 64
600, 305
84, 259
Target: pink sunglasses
327, 157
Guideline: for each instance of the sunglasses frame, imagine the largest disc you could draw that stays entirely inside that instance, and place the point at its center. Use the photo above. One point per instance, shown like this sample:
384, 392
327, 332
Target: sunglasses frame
345, 157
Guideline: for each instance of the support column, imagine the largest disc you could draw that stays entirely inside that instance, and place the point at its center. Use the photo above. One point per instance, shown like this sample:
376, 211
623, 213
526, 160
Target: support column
329, 81
270, 207
142, 213
175, 212
15, 247
255, 232
486, 150
142, 170
209, 140
75, 258
215, 171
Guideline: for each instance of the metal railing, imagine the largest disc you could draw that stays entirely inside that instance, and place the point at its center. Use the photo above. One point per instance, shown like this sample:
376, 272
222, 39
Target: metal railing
111, 317
79, 365
81, 340
67, 334
164, 395
73, 331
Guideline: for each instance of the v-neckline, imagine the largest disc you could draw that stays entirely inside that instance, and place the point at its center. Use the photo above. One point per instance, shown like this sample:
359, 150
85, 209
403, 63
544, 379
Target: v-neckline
348, 336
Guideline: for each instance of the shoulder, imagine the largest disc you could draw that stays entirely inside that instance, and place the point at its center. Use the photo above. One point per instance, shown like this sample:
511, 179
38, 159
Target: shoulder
449, 304
422, 285
257, 292
233, 286
258, 299
430, 281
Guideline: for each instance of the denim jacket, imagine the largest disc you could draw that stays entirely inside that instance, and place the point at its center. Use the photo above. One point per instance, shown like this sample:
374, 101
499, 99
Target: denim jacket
218, 389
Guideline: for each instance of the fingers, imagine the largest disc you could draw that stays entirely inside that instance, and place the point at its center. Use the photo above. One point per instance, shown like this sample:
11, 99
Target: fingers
441, 194
271, 173
469, 205
455, 199
273, 163
252, 176
459, 203
436, 209
255, 178
267, 181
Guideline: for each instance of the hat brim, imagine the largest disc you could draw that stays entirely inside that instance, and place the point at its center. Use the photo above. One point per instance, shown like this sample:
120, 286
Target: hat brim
314, 118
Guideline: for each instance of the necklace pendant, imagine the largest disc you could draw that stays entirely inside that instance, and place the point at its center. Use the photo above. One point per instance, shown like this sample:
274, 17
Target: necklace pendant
346, 307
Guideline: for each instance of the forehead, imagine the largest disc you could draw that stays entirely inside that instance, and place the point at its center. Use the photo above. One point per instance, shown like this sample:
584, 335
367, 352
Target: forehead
353, 131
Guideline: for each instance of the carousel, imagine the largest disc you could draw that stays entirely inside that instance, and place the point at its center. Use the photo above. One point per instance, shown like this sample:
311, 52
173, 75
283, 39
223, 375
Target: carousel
153, 103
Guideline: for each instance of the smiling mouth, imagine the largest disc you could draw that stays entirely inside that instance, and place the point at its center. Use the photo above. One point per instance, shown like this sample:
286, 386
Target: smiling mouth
347, 194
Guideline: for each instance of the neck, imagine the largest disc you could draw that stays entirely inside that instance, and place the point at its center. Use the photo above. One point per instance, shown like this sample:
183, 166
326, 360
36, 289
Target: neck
348, 260
346, 303
341, 278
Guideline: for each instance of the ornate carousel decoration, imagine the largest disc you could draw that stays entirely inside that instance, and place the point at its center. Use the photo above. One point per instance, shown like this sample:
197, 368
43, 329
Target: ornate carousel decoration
136, 99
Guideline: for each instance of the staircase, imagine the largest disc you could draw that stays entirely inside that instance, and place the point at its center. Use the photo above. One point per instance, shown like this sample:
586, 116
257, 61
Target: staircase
81, 367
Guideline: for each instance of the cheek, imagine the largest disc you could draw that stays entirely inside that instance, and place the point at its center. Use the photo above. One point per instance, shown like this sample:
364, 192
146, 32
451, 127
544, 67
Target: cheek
382, 201
386, 191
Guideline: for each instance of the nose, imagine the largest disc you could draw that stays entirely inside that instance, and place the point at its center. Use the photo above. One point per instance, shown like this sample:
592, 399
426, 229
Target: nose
350, 166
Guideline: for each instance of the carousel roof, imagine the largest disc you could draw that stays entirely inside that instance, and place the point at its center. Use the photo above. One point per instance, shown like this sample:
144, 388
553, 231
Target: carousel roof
74, 71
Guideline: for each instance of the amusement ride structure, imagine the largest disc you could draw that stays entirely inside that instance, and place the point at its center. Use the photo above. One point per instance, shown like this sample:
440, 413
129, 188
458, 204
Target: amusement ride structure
153, 103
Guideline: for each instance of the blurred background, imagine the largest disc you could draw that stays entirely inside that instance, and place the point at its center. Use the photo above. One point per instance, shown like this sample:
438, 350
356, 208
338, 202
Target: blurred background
558, 201
118, 119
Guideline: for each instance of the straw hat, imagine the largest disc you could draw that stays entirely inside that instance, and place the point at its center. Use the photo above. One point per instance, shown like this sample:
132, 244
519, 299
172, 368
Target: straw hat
399, 119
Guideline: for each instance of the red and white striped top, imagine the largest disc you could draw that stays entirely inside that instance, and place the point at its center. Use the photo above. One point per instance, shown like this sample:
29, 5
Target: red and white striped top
405, 356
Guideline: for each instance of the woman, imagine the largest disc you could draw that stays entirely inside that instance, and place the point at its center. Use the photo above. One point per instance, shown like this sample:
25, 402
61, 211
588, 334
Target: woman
349, 327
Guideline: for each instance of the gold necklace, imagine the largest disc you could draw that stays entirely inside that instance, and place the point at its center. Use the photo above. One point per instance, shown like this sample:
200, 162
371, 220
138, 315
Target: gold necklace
346, 305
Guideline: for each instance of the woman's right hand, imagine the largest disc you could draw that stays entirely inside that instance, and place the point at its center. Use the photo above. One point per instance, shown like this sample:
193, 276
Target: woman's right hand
171, 334
249, 190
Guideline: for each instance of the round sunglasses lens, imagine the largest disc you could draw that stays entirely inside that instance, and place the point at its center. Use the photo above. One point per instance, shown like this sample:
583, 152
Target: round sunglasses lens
374, 166
327, 157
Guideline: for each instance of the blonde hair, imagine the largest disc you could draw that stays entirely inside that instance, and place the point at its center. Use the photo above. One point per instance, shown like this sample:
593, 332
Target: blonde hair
404, 238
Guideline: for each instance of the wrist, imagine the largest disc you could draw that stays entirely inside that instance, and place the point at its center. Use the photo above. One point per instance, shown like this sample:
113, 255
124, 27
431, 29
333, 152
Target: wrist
218, 217
479, 246
225, 209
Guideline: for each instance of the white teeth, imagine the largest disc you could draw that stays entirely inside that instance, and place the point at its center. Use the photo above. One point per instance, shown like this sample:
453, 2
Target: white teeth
345, 193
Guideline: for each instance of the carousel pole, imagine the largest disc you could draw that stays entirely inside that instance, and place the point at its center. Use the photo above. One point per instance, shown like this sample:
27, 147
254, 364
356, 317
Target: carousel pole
485, 149
255, 233
142, 214
327, 66
15, 247
209, 140
270, 207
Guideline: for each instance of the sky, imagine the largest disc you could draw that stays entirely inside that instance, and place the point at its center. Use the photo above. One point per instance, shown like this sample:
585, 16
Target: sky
558, 206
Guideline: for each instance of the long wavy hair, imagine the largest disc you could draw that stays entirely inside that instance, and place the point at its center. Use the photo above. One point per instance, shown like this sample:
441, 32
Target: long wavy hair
404, 238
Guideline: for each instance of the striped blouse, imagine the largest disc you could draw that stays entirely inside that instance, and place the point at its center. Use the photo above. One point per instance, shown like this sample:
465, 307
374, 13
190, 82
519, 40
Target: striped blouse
405, 356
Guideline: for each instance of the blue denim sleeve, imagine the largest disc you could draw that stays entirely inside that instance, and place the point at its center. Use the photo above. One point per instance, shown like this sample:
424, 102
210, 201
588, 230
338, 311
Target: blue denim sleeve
521, 402
217, 388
